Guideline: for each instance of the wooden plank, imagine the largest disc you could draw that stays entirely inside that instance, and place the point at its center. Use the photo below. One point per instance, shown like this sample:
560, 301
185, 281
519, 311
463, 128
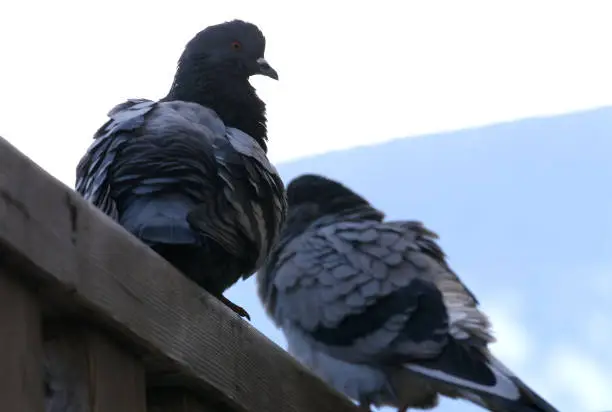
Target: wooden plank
21, 377
176, 400
89, 373
79, 250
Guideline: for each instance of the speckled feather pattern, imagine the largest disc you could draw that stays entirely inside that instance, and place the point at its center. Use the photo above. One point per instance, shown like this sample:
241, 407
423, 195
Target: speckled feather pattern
374, 309
340, 269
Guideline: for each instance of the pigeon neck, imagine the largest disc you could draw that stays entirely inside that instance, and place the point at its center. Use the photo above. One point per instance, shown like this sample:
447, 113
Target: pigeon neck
231, 96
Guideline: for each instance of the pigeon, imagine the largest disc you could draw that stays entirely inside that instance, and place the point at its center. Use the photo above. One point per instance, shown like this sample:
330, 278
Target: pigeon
372, 307
188, 174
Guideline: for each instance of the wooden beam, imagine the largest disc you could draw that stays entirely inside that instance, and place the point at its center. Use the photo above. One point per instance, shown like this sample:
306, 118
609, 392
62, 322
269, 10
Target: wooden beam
101, 268
21, 377
89, 373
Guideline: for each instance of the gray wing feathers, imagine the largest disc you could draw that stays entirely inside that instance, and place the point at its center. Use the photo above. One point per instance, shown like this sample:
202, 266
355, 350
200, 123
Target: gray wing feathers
245, 145
334, 262
261, 214
238, 196
346, 267
92, 180
342, 269
466, 321
267, 185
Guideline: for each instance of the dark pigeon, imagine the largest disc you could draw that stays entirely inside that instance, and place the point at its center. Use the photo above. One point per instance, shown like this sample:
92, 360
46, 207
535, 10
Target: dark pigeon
188, 174
373, 308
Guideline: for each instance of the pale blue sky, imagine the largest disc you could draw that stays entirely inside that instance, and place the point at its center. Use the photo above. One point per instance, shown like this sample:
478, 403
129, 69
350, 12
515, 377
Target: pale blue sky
350, 74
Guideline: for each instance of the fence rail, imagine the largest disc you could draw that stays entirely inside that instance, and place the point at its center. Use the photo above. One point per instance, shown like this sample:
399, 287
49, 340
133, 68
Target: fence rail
117, 328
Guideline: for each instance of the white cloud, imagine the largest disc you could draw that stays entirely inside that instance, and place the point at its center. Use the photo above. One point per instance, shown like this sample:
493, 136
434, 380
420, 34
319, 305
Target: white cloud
564, 375
580, 377
513, 346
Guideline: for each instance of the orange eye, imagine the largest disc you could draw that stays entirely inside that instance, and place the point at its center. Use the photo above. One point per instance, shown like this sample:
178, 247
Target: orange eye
236, 45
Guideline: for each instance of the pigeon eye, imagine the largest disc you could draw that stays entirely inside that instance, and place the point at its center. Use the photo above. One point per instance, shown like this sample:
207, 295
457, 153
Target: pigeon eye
236, 45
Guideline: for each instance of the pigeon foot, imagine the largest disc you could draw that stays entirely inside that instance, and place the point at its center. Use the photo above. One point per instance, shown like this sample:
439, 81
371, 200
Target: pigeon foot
239, 310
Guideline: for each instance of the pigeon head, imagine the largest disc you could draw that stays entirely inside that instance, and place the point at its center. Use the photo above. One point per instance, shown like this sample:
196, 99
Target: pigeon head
236, 46
214, 71
313, 196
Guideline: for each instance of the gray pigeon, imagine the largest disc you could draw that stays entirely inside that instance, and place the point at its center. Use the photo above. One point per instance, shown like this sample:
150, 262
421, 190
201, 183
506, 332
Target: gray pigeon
372, 307
188, 174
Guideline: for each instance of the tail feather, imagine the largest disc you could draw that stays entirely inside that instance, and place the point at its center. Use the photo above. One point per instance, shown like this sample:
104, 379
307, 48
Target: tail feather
481, 379
528, 397
159, 220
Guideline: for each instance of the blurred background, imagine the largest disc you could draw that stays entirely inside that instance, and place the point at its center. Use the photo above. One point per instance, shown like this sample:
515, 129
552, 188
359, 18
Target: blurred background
489, 121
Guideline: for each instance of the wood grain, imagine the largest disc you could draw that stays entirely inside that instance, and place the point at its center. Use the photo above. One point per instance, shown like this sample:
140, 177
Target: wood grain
21, 377
90, 373
73, 248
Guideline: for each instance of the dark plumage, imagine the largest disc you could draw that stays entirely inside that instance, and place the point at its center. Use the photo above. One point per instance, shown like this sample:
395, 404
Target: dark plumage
188, 174
373, 308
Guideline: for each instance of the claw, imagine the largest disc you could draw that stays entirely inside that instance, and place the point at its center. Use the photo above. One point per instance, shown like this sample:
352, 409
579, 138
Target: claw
239, 310
364, 405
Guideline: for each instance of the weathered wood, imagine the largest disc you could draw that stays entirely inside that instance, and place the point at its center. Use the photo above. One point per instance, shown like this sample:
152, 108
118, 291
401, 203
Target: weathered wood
89, 373
21, 377
176, 400
78, 250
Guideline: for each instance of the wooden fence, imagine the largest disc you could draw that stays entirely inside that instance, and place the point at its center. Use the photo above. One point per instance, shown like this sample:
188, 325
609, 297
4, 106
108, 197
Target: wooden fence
91, 320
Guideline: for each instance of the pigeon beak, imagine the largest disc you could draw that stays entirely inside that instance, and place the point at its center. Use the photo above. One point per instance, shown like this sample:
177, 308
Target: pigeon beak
266, 69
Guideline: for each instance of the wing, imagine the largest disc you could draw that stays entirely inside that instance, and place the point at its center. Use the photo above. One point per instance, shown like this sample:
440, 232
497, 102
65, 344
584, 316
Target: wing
268, 190
184, 152
362, 291
93, 170
254, 197
466, 321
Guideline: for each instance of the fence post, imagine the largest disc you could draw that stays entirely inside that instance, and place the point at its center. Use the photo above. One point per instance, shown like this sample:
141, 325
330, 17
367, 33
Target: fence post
21, 377
90, 373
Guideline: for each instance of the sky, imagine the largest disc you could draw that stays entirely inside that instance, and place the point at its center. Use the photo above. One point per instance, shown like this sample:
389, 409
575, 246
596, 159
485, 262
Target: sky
350, 74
